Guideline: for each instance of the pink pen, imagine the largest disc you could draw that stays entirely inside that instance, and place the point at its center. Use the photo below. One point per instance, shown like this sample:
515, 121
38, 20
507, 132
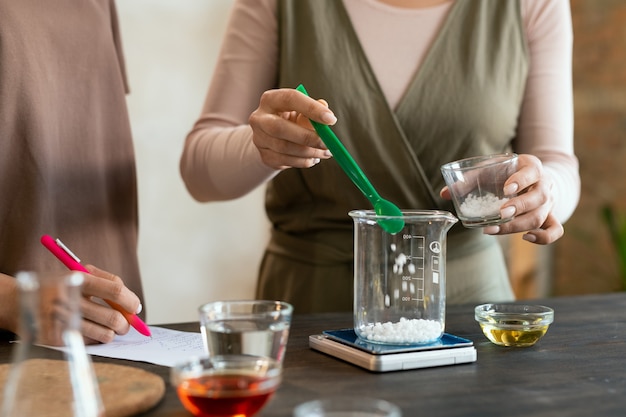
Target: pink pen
71, 261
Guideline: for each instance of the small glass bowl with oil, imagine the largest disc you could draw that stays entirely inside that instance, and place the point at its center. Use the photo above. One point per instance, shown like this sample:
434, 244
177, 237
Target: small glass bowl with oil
511, 324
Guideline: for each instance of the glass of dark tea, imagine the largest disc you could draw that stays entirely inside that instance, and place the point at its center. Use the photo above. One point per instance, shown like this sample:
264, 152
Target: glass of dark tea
226, 385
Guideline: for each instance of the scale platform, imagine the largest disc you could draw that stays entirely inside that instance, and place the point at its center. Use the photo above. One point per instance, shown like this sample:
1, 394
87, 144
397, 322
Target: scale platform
344, 344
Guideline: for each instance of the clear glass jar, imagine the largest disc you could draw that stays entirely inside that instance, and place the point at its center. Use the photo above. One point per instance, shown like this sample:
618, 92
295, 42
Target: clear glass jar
400, 279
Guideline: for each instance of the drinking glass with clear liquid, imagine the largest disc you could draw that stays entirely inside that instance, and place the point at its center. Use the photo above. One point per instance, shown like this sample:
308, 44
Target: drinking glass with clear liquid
248, 327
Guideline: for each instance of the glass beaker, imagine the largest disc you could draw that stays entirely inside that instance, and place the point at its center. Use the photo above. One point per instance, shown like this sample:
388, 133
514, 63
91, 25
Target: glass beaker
400, 279
39, 382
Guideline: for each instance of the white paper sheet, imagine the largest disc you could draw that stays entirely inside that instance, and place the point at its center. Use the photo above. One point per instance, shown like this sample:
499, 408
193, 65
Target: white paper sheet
166, 347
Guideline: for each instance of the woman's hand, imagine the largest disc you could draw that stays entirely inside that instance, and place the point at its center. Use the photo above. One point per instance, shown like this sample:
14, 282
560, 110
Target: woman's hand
532, 207
282, 132
100, 322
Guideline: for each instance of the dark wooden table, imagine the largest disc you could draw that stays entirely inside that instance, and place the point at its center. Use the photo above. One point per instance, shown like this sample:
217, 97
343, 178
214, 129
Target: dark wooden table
577, 369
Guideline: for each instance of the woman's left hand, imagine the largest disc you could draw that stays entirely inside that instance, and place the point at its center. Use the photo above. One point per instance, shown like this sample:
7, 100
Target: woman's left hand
531, 208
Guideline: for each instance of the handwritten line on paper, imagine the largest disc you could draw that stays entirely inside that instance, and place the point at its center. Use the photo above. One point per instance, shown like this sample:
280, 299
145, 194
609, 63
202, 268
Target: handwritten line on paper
166, 347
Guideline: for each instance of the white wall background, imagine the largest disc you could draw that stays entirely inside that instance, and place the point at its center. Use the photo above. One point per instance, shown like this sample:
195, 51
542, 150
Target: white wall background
190, 253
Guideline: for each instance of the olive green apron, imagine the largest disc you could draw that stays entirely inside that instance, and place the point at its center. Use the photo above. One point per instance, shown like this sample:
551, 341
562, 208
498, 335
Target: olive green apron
464, 100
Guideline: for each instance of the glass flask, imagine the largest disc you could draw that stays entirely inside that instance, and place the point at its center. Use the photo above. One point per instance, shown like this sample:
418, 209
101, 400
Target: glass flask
400, 279
44, 381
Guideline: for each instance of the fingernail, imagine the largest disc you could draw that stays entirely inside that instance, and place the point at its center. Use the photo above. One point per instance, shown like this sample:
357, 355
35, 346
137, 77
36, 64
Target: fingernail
491, 230
329, 118
511, 189
316, 161
139, 309
507, 212
529, 238
328, 154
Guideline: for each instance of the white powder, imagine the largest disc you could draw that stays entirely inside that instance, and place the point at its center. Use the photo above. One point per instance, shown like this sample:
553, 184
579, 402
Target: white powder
487, 205
404, 331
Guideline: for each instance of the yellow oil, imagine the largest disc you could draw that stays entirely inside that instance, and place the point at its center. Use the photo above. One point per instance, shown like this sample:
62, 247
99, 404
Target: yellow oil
514, 332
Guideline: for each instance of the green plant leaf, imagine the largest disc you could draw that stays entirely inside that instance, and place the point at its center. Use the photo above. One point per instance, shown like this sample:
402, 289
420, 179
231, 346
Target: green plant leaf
617, 231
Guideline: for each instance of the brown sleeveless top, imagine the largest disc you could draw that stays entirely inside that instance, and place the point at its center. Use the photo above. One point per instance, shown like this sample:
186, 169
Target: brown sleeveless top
464, 100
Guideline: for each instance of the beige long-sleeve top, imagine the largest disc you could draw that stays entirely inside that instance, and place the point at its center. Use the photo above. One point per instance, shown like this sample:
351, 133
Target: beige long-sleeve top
220, 162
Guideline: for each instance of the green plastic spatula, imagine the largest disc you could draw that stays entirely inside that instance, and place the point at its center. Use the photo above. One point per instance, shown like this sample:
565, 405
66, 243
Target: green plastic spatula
382, 207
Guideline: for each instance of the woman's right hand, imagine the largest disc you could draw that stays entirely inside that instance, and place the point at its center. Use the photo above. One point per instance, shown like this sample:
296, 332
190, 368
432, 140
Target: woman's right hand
281, 130
100, 322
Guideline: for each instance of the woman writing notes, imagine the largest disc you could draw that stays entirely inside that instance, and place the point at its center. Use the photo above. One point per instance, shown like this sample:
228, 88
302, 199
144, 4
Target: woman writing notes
410, 85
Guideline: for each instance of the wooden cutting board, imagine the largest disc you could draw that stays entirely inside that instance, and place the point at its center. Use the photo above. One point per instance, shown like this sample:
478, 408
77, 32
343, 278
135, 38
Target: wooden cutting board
125, 390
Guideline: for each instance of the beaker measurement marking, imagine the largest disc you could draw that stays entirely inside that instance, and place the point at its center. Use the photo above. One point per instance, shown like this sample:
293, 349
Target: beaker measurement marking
419, 297
410, 278
410, 268
413, 289
420, 240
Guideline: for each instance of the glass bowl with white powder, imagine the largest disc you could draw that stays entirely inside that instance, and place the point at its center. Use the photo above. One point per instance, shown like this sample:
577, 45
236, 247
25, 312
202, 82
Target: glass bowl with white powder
476, 186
